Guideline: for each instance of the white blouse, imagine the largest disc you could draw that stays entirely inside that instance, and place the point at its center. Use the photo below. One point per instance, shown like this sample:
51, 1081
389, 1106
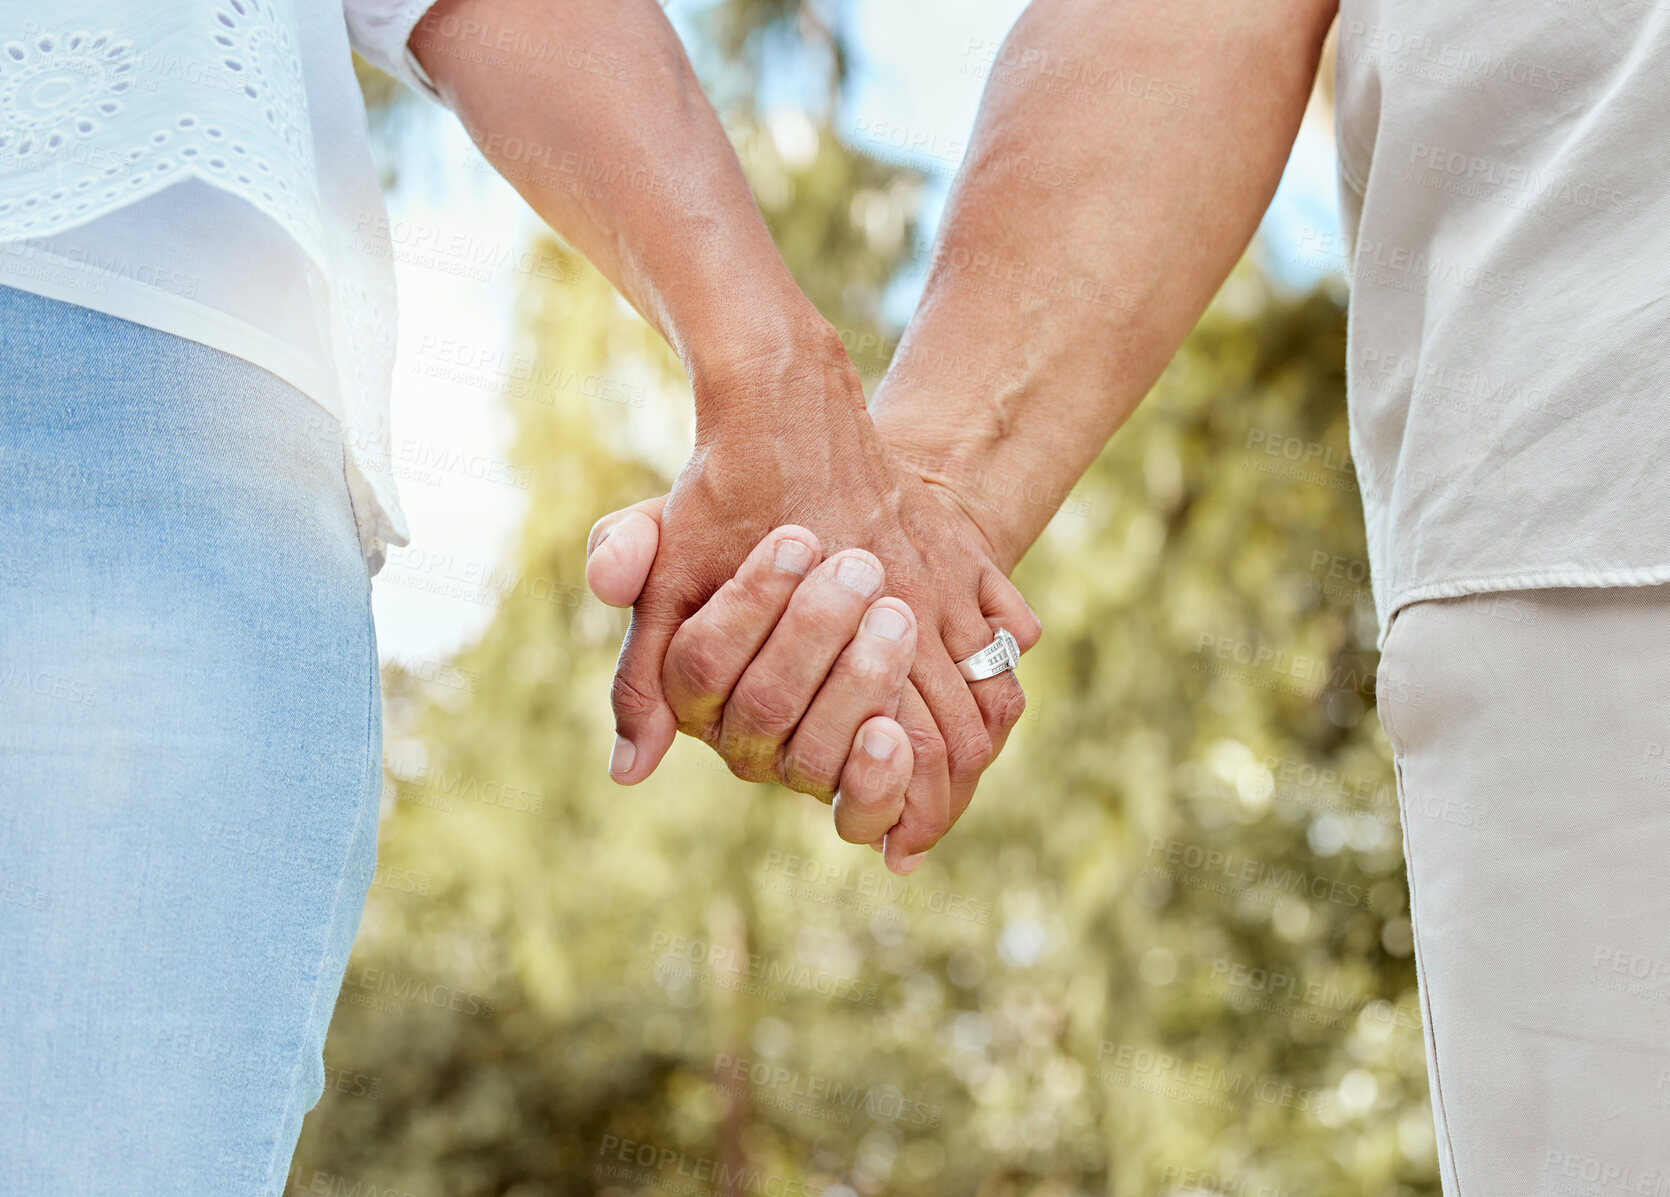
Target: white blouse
202, 167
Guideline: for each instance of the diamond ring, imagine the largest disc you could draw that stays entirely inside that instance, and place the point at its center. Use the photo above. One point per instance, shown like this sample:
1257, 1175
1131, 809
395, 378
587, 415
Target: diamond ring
1000, 656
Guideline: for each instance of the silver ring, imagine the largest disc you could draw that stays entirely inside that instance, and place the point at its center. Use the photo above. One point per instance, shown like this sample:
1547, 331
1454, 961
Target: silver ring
1000, 656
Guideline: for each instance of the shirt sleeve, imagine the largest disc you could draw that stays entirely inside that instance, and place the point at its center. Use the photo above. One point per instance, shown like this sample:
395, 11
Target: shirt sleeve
378, 29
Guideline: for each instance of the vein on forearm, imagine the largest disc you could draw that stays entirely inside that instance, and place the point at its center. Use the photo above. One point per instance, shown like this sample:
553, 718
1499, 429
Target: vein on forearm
1089, 227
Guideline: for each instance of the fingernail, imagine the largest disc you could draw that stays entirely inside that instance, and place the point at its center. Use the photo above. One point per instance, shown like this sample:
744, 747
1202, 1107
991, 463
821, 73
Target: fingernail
909, 863
622, 756
598, 543
795, 556
886, 623
879, 746
858, 575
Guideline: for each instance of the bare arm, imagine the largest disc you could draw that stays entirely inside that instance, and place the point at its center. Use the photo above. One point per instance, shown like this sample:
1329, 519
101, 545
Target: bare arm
642, 179
1123, 156
615, 146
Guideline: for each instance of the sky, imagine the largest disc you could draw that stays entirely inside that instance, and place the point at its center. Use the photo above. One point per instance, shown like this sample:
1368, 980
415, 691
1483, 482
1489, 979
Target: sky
460, 237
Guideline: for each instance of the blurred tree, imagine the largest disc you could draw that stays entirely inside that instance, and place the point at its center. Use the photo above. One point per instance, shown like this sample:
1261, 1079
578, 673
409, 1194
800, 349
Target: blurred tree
1167, 949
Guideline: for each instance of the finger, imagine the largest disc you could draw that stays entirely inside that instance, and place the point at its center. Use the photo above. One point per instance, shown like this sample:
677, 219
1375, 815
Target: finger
644, 724
1002, 714
865, 682
926, 813
1001, 699
712, 649
872, 788
967, 746
1005, 607
776, 689
621, 549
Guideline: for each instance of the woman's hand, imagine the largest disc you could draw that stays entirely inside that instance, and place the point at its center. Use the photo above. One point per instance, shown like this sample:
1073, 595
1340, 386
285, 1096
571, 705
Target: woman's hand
785, 634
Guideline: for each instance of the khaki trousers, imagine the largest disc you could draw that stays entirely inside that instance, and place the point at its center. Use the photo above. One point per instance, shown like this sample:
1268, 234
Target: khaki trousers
1531, 733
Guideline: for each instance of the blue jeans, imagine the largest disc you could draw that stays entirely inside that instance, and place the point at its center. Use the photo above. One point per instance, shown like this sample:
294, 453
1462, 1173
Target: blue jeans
190, 758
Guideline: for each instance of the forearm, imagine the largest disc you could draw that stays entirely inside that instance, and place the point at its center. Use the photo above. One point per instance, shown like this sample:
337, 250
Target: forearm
1122, 158
632, 167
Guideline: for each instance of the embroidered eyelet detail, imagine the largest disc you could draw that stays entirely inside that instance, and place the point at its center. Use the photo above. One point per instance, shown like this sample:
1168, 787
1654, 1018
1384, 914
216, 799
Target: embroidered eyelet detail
79, 106
55, 89
127, 98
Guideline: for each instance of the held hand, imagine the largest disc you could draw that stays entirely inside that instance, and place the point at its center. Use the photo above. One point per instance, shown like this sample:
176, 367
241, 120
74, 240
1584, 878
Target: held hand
934, 559
785, 634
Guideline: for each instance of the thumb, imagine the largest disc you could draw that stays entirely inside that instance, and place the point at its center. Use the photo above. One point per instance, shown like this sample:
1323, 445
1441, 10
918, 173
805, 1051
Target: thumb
621, 549
644, 722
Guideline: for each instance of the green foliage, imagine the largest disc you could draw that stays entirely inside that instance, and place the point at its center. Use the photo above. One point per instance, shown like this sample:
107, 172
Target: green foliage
1166, 948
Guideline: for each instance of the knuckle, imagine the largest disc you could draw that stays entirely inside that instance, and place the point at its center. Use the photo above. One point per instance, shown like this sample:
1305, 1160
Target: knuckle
748, 768
969, 751
749, 592
876, 665
766, 707
826, 617
1008, 702
813, 768
927, 748
928, 832
630, 699
696, 668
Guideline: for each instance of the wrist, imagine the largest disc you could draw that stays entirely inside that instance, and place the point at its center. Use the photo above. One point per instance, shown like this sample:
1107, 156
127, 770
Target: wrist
774, 359
967, 454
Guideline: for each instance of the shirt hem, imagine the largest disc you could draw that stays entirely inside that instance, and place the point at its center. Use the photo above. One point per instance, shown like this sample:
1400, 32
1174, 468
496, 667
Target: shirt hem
377, 515
178, 316
1551, 579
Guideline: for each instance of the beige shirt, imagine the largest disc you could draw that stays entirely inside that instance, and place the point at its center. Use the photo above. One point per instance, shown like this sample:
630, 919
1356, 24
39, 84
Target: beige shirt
1505, 186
